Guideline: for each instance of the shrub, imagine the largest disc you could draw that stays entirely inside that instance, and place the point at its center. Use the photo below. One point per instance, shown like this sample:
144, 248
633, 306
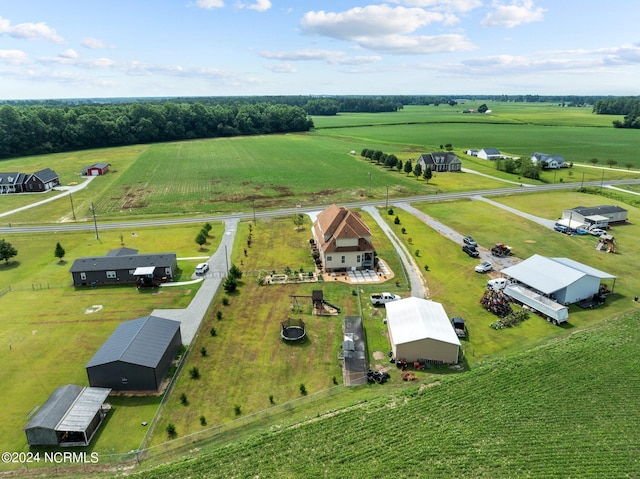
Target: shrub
183, 399
271, 400
203, 351
404, 231
194, 372
417, 253
396, 221
171, 430
219, 315
230, 284
390, 211
225, 301
237, 409
203, 421
303, 389
213, 332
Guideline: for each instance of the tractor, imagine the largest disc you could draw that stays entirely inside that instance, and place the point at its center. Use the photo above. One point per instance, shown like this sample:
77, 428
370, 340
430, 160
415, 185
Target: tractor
501, 250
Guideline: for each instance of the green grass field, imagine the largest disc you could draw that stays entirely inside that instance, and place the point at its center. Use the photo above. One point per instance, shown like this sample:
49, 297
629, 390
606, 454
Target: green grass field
510, 371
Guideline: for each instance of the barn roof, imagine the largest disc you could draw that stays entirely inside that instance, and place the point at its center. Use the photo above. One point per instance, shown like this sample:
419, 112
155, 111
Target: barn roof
120, 262
142, 342
549, 275
69, 408
45, 175
412, 319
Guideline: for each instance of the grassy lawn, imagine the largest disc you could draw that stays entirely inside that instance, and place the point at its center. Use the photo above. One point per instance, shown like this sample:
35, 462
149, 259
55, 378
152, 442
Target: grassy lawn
50, 329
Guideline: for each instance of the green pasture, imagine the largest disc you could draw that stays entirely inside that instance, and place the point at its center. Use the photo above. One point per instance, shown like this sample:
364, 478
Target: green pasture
564, 409
50, 329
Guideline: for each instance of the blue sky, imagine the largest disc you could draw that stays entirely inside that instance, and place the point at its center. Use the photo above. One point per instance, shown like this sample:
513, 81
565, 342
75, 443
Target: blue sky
117, 48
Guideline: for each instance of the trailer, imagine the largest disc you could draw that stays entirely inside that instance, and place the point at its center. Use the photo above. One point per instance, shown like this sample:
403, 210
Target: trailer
554, 312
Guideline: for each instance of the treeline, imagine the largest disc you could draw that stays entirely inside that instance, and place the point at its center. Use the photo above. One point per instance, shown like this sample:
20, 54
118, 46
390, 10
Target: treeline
38, 129
628, 106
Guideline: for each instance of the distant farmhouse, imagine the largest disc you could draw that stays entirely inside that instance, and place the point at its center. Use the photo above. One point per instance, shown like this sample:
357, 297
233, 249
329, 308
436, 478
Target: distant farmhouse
124, 265
440, 161
343, 240
137, 355
97, 169
550, 162
490, 154
43, 180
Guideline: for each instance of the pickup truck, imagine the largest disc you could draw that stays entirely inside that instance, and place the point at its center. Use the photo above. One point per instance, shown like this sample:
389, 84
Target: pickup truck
381, 298
459, 327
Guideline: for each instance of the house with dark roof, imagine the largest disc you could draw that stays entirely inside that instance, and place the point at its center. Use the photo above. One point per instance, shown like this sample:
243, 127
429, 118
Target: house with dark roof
600, 216
11, 182
137, 355
43, 180
96, 169
343, 240
490, 154
70, 417
124, 265
549, 162
440, 161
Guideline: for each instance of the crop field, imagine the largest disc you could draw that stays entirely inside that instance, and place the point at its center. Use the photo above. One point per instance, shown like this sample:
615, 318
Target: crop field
565, 409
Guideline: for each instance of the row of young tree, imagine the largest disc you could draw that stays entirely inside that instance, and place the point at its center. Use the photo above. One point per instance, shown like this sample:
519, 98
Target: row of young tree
46, 129
391, 161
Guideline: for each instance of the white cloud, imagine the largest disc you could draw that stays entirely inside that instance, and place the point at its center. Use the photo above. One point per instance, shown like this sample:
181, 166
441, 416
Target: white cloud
210, 4
442, 5
13, 57
281, 68
93, 43
30, 31
513, 14
258, 5
327, 56
70, 54
372, 20
418, 45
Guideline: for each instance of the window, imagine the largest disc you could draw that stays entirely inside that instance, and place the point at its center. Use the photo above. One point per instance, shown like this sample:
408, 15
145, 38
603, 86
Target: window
131, 271
125, 380
111, 274
329, 259
343, 260
358, 259
167, 271
83, 276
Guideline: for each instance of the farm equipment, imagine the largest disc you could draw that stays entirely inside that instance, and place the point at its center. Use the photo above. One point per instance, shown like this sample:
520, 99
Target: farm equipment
501, 250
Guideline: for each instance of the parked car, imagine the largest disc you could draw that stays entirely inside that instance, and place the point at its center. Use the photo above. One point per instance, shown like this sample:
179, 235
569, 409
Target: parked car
459, 327
597, 231
561, 228
469, 241
582, 231
498, 283
202, 268
484, 267
470, 250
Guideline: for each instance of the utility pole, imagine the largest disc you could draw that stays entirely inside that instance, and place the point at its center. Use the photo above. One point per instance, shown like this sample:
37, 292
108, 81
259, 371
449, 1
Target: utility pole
582, 181
253, 206
602, 180
386, 204
369, 184
95, 224
73, 212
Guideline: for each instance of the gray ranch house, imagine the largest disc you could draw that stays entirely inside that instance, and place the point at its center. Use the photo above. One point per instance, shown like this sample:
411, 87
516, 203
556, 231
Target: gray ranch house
40, 181
124, 265
551, 162
440, 161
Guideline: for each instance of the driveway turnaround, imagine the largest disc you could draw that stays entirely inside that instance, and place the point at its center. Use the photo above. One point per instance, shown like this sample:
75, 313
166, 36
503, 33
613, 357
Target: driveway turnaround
219, 263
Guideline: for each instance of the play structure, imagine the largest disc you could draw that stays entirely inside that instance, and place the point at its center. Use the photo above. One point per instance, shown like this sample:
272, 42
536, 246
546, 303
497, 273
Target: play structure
293, 330
321, 307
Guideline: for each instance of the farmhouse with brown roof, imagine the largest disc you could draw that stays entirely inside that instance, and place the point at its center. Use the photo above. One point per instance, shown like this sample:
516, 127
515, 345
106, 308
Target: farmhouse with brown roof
343, 239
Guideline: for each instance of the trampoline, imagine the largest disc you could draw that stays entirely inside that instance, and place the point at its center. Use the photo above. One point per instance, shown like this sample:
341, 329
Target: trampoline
293, 330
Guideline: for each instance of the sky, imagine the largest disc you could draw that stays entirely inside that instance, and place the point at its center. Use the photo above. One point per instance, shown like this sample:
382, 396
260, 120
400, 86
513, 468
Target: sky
143, 48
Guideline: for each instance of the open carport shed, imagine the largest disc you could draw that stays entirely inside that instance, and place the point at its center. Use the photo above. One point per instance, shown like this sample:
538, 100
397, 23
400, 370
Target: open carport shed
137, 356
562, 279
420, 329
70, 417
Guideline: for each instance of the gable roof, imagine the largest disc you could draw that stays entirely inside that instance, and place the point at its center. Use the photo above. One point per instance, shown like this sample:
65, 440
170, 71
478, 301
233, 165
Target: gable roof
439, 158
69, 408
543, 157
412, 319
122, 252
46, 175
491, 151
339, 222
122, 262
549, 275
141, 341
598, 210
11, 178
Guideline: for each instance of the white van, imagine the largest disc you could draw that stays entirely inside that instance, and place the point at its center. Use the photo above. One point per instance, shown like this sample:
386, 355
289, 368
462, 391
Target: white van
202, 268
498, 283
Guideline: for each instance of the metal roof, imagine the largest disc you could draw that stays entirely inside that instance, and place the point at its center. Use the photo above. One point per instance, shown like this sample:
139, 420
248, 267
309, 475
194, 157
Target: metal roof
142, 341
549, 275
69, 408
412, 319
598, 210
120, 262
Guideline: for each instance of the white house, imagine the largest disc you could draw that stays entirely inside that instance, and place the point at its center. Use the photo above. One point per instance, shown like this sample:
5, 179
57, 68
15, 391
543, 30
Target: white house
490, 154
548, 161
420, 329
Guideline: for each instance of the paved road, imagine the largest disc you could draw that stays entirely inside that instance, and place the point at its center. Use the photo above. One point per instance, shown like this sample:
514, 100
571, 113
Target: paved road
191, 317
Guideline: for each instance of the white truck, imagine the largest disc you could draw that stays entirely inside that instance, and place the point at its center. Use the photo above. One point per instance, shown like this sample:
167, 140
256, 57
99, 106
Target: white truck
379, 299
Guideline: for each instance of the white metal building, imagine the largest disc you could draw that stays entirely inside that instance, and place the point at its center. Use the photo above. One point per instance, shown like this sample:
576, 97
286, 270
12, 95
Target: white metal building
420, 329
562, 279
